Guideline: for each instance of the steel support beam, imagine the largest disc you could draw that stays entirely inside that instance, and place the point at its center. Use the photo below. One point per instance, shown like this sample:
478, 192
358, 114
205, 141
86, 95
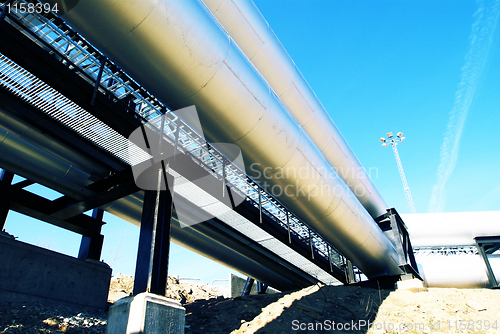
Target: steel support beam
5, 178
350, 273
261, 288
107, 190
91, 246
485, 246
35, 206
98, 80
154, 242
395, 229
396, 237
248, 287
260, 205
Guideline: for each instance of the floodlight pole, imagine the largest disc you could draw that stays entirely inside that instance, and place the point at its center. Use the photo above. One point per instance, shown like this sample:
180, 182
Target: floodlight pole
394, 142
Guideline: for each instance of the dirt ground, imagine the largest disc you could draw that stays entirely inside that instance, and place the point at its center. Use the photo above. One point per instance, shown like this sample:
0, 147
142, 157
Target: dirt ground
316, 309
440, 311
285, 312
348, 309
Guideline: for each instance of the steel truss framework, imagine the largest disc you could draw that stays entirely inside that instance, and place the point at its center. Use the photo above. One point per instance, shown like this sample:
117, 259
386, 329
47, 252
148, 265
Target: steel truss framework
396, 230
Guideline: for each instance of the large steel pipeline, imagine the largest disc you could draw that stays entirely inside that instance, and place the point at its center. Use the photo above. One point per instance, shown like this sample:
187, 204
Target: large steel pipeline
445, 229
453, 229
179, 52
55, 167
50, 145
456, 271
251, 32
27, 160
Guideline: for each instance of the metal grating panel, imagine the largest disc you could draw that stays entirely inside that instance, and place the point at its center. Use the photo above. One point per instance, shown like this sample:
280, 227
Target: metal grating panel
25, 85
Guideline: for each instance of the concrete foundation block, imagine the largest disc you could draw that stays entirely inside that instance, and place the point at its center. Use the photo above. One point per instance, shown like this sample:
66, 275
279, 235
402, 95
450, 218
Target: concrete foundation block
146, 313
30, 274
409, 284
237, 283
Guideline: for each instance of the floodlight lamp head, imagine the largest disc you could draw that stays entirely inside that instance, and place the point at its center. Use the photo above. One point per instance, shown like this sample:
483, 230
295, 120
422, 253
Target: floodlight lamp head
403, 138
382, 140
385, 144
389, 134
400, 134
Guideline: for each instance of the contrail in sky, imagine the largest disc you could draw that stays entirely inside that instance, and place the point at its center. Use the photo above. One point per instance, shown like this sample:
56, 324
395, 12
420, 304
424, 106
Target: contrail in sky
481, 39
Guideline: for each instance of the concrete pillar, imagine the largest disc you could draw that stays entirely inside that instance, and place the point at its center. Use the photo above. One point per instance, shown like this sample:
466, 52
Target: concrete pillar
146, 313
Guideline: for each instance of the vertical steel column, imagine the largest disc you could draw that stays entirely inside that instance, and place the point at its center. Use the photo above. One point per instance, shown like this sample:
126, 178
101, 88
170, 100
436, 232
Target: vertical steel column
261, 288
489, 271
260, 204
5, 177
223, 176
177, 130
409, 251
350, 273
98, 80
248, 287
330, 257
288, 227
91, 246
111, 82
311, 243
396, 237
154, 241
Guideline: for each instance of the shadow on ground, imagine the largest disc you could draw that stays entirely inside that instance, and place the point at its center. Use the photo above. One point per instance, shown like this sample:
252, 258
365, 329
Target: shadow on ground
342, 309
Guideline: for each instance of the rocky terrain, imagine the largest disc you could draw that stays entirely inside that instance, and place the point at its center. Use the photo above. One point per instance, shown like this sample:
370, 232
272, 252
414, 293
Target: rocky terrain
19, 318
122, 286
316, 309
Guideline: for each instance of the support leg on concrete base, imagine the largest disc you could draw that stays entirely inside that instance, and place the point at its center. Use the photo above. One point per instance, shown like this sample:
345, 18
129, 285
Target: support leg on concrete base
146, 313
248, 287
261, 288
154, 242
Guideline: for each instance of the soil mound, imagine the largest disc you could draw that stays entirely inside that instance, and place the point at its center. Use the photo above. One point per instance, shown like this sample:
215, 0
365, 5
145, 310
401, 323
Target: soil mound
123, 285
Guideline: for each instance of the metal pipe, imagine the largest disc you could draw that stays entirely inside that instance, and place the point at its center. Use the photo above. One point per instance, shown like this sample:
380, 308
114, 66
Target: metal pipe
35, 137
250, 30
456, 271
193, 61
20, 157
444, 229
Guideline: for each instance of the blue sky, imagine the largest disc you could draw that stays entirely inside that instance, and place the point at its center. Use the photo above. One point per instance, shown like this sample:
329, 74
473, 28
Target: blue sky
380, 66
430, 69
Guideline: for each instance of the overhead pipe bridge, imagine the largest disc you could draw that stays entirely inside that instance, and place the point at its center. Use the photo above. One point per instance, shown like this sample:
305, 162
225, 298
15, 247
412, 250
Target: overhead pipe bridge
194, 62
